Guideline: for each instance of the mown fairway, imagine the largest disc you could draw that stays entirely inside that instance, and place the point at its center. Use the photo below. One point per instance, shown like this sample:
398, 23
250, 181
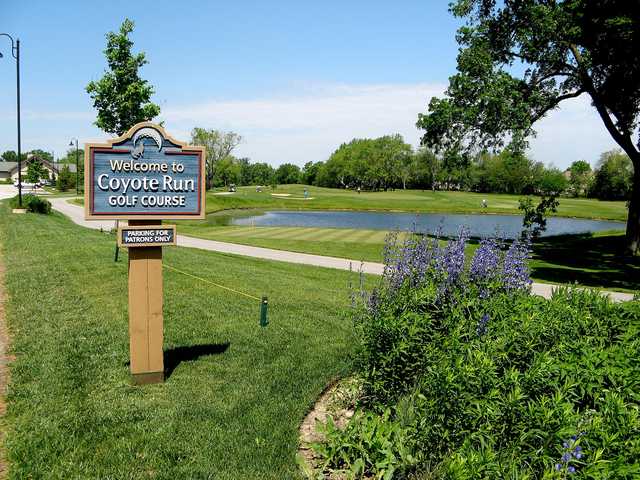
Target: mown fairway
235, 395
400, 200
350, 243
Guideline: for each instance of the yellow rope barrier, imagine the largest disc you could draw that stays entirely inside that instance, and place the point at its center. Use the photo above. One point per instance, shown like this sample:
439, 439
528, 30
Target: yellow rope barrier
210, 282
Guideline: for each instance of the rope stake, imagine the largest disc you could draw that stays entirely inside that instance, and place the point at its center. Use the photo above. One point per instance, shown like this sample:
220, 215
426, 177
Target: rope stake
264, 305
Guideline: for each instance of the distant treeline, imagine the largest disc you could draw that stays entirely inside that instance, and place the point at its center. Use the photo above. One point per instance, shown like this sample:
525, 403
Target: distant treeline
389, 163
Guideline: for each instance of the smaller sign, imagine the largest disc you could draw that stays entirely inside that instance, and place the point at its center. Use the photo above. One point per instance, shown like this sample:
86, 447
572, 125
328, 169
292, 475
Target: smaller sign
147, 236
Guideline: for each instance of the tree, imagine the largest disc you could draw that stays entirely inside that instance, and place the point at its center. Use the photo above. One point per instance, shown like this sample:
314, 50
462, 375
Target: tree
245, 171
35, 170
394, 159
369, 163
405, 168
507, 172
429, 165
579, 176
65, 179
262, 174
121, 97
218, 144
552, 182
70, 157
42, 155
228, 171
534, 219
288, 173
614, 177
520, 60
11, 156
310, 172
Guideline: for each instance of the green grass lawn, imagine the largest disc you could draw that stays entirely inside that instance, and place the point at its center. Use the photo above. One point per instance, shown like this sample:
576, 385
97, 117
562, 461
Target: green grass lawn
590, 259
236, 394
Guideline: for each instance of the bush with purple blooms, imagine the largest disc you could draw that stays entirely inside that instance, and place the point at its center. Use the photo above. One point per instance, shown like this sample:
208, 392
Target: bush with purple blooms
484, 380
426, 284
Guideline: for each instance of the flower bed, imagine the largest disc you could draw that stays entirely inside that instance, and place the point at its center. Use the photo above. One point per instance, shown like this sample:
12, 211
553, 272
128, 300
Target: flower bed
467, 375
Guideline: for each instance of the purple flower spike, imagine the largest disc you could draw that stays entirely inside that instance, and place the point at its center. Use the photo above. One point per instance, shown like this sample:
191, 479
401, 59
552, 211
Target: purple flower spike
482, 325
485, 262
515, 268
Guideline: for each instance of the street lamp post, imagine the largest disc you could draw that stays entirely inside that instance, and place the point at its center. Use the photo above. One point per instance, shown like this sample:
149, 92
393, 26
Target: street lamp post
15, 53
77, 165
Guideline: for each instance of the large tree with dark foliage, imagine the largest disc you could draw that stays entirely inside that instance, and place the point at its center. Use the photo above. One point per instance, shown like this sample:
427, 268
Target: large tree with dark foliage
519, 59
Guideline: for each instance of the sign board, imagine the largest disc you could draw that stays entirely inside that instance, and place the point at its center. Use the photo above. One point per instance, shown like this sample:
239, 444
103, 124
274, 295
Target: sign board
147, 236
143, 175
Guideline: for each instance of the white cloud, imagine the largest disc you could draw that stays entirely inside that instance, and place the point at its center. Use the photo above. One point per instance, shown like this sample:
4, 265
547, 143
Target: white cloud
573, 132
309, 126
312, 122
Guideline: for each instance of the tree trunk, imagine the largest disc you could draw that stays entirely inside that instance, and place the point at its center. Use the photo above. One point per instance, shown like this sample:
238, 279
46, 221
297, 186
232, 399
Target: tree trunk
632, 241
633, 220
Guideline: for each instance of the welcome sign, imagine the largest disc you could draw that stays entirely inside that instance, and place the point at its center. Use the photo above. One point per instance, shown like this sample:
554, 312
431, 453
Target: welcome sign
144, 174
144, 177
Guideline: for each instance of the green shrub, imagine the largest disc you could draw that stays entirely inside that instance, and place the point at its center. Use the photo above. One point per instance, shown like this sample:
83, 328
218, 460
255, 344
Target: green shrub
32, 203
498, 383
66, 180
369, 442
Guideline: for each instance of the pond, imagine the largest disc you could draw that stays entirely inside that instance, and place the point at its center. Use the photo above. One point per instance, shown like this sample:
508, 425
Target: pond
508, 226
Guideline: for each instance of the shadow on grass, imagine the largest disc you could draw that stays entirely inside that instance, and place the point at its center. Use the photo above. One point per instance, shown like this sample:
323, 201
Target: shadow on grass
590, 260
174, 356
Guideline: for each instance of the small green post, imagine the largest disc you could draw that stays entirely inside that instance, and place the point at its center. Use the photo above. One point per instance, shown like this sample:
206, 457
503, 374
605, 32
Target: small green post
263, 312
115, 256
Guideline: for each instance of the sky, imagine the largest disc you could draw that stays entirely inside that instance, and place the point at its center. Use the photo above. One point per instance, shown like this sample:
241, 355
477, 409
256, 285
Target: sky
294, 79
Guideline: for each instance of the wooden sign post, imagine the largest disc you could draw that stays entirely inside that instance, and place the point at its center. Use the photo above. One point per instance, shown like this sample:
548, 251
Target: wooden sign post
144, 177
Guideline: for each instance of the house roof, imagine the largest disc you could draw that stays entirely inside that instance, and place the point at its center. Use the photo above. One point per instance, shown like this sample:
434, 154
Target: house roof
60, 166
7, 166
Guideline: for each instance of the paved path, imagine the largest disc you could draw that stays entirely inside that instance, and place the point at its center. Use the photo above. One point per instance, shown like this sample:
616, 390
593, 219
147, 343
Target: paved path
76, 214
8, 191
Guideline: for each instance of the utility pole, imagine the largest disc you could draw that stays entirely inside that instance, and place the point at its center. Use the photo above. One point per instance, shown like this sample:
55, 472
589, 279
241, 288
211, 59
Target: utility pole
15, 53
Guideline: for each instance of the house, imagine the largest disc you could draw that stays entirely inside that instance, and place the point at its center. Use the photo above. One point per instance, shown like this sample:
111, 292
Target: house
6, 169
10, 169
